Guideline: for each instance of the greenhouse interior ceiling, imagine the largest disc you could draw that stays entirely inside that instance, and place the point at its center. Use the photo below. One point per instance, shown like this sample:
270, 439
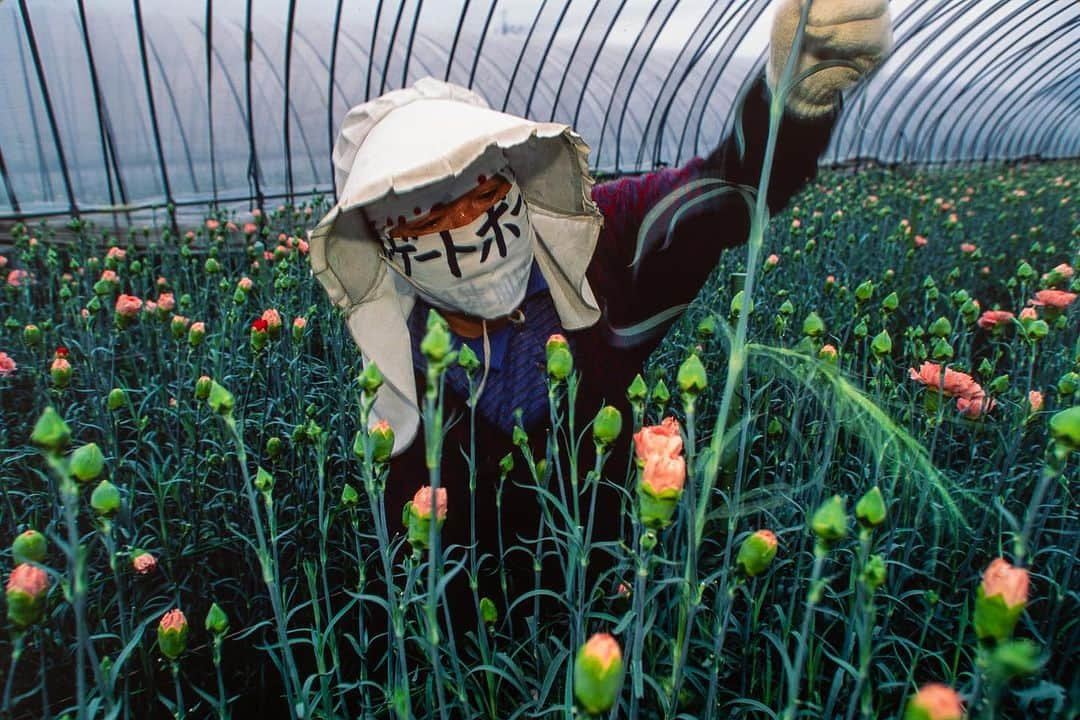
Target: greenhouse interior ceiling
122, 105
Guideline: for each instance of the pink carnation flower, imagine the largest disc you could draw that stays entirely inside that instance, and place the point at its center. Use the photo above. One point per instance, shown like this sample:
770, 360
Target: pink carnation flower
128, 305
422, 503
7, 365
1058, 299
956, 383
144, 563
975, 406
664, 474
994, 318
15, 278
1035, 401
664, 440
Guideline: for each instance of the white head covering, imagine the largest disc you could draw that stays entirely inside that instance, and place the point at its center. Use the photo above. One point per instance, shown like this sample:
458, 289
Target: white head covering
436, 132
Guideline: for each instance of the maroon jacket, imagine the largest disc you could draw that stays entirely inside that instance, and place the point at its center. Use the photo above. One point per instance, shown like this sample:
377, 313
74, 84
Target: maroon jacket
606, 359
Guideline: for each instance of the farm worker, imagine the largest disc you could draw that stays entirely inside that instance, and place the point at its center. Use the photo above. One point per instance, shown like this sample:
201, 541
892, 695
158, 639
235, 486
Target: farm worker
495, 221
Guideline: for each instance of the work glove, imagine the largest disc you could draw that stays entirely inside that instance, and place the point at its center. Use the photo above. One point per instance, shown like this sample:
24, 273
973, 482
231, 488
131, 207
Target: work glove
856, 31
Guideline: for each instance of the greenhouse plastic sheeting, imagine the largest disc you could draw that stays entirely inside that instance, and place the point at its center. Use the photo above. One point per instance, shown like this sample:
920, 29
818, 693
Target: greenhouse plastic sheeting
138, 104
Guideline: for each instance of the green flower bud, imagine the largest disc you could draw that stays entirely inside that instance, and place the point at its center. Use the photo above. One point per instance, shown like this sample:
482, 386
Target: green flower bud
553, 343
370, 379
757, 552
202, 387
941, 328
648, 540
637, 390
382, 441
999, 384
829, 521
1037, 330
607, 425
941, 349
881, 345
29, 546
559, 364
506, 464
349, 496
737, 304
87, 462
196, 333
786, 309
32, 335
861, 330
105, 499
813, 326
598, 673
274, 446
212, 266
874, 574
50, 430
519, 437
864, 291
116, 399
221, 400
217, 622
775, 428
1065, 428
691, 376
436, 343
467, 359
707, 327
264, 481
660, 394
239, 297
891, 302
172, 634
488, 612
1069, 383
871, 510
1025, 272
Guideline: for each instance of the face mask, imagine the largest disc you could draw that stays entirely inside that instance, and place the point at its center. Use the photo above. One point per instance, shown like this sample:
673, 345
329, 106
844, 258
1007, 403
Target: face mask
480, 269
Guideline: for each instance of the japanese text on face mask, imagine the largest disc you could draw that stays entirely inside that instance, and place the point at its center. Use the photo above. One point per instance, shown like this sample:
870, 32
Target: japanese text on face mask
490, 228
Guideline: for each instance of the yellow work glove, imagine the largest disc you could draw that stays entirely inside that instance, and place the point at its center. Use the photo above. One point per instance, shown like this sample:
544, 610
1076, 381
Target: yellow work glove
857, 31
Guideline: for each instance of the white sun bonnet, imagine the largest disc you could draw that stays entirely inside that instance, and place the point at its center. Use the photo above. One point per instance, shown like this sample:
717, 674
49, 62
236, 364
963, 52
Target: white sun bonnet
437, 132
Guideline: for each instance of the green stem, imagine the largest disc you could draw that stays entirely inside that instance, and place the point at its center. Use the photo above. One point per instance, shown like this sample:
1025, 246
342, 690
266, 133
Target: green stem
179, 715
16, 653
223, 703
293, 688
433, 431
813, 598
1055, 465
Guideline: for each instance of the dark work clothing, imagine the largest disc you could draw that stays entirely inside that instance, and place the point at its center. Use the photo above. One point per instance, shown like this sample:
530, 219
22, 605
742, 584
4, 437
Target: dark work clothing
666, 278
517, 367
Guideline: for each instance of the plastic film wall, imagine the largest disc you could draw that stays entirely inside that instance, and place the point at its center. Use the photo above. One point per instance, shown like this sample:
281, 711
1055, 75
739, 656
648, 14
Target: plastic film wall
133, 105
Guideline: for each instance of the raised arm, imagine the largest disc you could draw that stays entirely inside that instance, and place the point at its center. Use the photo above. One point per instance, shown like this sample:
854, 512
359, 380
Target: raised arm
672, 266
